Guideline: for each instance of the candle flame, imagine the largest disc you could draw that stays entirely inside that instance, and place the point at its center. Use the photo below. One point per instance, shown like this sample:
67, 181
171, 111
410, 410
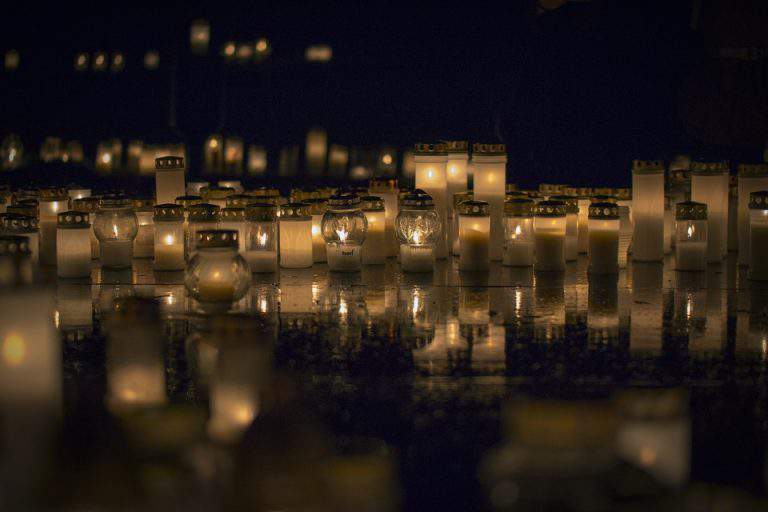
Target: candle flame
343, 234
517, 233
416, 236
690, 231
114, 230
169, 239
262, 239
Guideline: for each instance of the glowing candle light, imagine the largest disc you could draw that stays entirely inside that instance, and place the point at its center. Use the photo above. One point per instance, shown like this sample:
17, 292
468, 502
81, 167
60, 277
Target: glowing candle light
430, 162
199, 38
418, 226
316, 150
518, 232
691, 236
549, 236
474, 233
456, 173
344, 228
257, 160
73, 245
169, 237
375, 245
709, 185
490, 161
233, 156
217, 275
261, 237
317, 208
115, 227
603, 238
648, 210
213, 155
295, 228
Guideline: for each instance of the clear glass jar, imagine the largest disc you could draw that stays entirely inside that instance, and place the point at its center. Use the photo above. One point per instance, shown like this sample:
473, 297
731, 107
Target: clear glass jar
344, 228
603, 238
217, 274
691, 236
549, 236
518, 232
200, 216
144, 243
169, 237
375, 246
115, 227
418, 228
474, 235
758, 235
73, 245
295, 234
261, 237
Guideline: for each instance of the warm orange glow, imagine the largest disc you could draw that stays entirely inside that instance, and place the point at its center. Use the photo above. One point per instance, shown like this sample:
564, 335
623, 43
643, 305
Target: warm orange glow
386, 159
14, 349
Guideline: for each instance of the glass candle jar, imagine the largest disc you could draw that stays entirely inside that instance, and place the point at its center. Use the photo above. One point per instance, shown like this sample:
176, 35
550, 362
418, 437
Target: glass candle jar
490, 161
430, 161
549, 236
375, 245
295, 233
169, 237
474, 235
201, 216
518, 232
22, 225
691, 236
344, 228
752, 178
418, 227
386, 189
115, 227
234, 219
144, 243
89, 205
648, 210
194, 187
217, 195
317, 208
261, 237
169, 178
709, 185
73, 245
758, 235
571, 225
458, 198
603, 238
217, 273
49, 208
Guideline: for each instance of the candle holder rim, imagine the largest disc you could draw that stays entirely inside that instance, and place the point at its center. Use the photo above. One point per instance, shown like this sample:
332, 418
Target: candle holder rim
73, 219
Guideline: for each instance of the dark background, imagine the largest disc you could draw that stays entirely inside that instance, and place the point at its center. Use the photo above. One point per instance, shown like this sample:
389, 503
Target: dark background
576, 92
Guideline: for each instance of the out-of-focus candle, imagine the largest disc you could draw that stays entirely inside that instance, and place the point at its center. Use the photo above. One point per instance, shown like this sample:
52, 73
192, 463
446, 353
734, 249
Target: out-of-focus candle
213, 155
233, 156
549, 236
474, 235
169, 237
571, 225
386, 189
261, 237
234, 219
518, 232
317, 208
375, 245
199, 39
133, 155
603, 238
257, 160
49, 208
115, 227
490, 161
236, 185
217, 195
430, 161
710, 186
295, 228
418, 226
169, 179
691, 236
345, 229
648, 210
458, 198
194, 187
315, 151
144, 243
73, 245
752, 178
758, 235
201, 216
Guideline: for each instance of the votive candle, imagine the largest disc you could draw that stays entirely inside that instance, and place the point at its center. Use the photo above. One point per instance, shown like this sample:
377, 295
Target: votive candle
518, 232
261, 237
490, 162
169, 179
549, 236
73, 245
648, 210
708, 187
603, 238
474, 236
691, 236
295, 232
169, 237
430, 161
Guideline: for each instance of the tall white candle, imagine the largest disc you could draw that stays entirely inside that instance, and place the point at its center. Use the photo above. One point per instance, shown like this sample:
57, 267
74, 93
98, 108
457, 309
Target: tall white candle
603, 238
648, 210
169, 237
490, 163
758, 236
144, 243
571, 225
317, 208
474, 234
752, 178
456, 173
73, 245
169, 179
375, 244
49, 208
295, 227
691, 236
430, 161
458, 198
386, 189
709, 186
518, 232
549, 236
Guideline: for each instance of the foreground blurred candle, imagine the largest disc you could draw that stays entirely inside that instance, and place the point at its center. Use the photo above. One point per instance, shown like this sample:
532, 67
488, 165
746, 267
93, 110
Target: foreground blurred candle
169, 237
386, 189
23, 225
518, 232
648, 210
49, 208
430, 161
201, 216
709, 185
458, 198
115, 227
261, 237
549, 236
418, 227
73, 245
295, 226
752, 178
490, 161
691, 236
144, 243
217, 273
758, 235
344, 228
603, 238
571, 225
169, 178
375, 245
474, 233
317, 208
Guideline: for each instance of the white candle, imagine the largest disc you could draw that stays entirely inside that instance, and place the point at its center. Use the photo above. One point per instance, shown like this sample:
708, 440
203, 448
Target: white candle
24, 225
344, 257
648, 210
169, 237
709, 187
417, 258
458, 198
73, 245
89, 205
456, 173
518, 232
549, 236
758, 236
295, 227
691, 236
430, 162
375, 244
752, 178
386, 189
261, 237
116, 253
571, 225
603, 238
49, 208
144, 243
490, 162
474, 234
169, 179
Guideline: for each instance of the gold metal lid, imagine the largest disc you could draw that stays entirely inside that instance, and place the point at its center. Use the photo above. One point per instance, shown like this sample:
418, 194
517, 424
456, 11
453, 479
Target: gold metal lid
168, 163
232, 214
317, 205
14, 245
550, 209
265, 191
52, 193
571, 202
295, 211
169, 212
603, 211
647, 166
758, 200
416, 200
187, 201
16, 223
489, 149
712, 168
603, 198
519, 207
753, 170
382, 184
474, 208
203, 212
455, 146
143, 204
424, 148
344, 201
73, 220
261, 212
86, 204
460, 197
114, 201
216, 192
240, 200
216, 239
690, 210
371, 204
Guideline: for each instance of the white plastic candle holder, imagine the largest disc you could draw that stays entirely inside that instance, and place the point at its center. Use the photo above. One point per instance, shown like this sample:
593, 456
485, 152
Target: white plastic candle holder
73, 245
691, 236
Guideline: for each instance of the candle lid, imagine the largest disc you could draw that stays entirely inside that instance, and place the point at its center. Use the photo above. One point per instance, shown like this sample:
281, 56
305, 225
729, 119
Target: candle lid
571, 202
317, 205
709, 168
382, 184
216, 192
216, 238
550, 209
25, 210
418, 200
203, 212
18, 223
455, 146
344, 201
169, 212
488, 149
474, 208
265, 191
623, 194
72, 220
758, 200
232, 214
187, 201
603, 211
603, 198
753, 170
371, 204
14, 245
143, 204
114, 201
50, 199
52, 193
239, 200
168, 163
690, 210
515, 194
295, 211
519, 207
261, 212
460, 197
424, 148
298, 195
200, 184
647, 167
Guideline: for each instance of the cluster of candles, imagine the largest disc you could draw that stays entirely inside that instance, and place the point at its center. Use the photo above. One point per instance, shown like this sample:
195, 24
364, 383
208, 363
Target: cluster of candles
220, 235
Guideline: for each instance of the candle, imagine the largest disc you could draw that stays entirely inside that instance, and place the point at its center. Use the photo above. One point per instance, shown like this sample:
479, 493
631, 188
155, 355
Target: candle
571, 225
691, 236
217, 195
583, 225
430, 161
23, 225
199, 37
626, 229
144, 243
417, 258
456, 173
758, 235
549, 236
194, 187
49, 208
261, 237
169, 179
752, 178
89, 205
257, 160
648, 210
315, 151
116, 227
295, 233
76, 192
317, 207
236, 185
169, 237
375, 245
213, 155
490, 161
217, 273
233, 156
518, 232
474, 233
386, 189
709, 187
73, 245
201, 216
458, 198
234, 219
603, 238
345, 229
134, 154
418, 226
